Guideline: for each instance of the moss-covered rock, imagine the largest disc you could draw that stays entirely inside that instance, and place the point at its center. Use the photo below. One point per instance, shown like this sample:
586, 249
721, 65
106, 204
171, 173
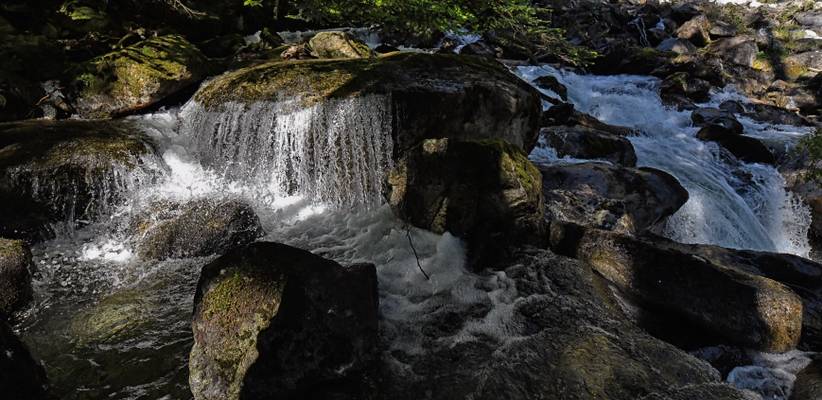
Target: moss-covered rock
726, 304
272, 321
15, 276
336, 44
21, 377
68, 171
138, 76
486, 192
195, 229
114, 317
432, 96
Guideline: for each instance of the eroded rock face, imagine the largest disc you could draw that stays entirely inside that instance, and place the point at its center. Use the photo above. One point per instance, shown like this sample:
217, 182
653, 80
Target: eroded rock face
739, 307
337, 44
610, 197
586, 143
68, 171
486, 192
21, 377
272, 321
570, 343
15, 276
430, 95
138, 76
200, 228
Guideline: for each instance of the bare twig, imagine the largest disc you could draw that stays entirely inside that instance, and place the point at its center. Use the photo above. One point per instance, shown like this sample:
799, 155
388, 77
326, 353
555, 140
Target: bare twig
416, 256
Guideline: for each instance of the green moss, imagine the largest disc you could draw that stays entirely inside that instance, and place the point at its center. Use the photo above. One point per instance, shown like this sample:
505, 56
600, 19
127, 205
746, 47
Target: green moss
314, 80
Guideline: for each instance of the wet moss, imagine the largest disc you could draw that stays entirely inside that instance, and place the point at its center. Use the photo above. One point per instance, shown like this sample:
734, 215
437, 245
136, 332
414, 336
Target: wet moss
314, 80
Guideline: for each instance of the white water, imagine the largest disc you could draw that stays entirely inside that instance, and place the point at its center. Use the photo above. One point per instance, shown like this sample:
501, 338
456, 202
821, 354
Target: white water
732, 204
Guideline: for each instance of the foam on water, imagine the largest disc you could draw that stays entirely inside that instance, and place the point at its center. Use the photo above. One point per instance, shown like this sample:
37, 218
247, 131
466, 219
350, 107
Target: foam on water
731, 204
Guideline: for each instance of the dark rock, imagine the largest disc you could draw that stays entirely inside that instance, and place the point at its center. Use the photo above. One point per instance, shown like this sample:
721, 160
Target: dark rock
676, 45
275, 321
724, 358
630, 60
385, 49
740, 50
610, 197
808, 384
701, 392
696, 30
715, 117
200, 228
433, 95
486, 192
572, 343
21, 377
737, 306
18, 98
480, 49
745, 148
733, 107
721, 29
15, 276
811, 19
586, 143
775, 115
551, 83
69, 171
338, 44
297, 52
138, 76
682, 85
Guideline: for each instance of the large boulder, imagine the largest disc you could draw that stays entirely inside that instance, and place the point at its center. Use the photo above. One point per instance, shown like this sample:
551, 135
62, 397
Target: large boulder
336, 44
741, 50
545, 329
199, 228
486, 192
745, 148
704, 117
727, 303
676, 45
682, 86
15, 276
586, 143
68, 171
696, 30
21, 377
806, 64
610, 197
138, 76
272, 321
428, 95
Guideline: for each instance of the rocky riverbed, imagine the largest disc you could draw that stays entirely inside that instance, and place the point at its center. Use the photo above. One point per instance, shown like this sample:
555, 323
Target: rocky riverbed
205, 213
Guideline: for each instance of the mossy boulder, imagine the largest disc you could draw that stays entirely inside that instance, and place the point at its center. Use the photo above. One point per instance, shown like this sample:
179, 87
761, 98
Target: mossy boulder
337, 44
200, 228
723, 303
68, 171
486, 192
21, 377
273, 321
611, 197
803, 65
15, 276
138, 76
430, 95
113, 318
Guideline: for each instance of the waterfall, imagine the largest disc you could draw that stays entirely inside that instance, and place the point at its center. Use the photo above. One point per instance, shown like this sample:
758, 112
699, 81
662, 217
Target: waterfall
335, 152
732, 204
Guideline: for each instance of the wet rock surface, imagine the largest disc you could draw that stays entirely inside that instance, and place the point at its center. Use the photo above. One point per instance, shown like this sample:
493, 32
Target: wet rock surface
15, 276
586, 143
275, 321
609, 197
20, 375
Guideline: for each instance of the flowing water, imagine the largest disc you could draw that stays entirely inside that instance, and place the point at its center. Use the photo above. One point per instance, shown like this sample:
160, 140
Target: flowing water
109, 325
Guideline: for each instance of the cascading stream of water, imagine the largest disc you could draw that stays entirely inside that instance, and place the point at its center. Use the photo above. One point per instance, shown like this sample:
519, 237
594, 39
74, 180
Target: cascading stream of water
732, 204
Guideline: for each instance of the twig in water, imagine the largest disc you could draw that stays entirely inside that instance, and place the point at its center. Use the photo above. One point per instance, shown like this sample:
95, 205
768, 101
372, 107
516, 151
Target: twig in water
416, 256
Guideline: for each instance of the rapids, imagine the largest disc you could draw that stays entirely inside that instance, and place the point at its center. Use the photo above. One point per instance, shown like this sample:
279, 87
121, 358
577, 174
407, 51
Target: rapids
109, 325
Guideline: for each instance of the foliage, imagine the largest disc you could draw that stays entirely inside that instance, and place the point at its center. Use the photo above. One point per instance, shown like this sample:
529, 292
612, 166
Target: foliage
811, 145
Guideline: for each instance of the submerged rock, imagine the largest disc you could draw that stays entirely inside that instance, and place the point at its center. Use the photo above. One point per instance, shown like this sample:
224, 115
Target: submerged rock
21, 377
336, 44
735, 305
610, 197
430, 95
586, 143
561, 337
486, 192
716, 117
115, 317
200, 228
15, 276
272, 321
138, 76
68, 171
